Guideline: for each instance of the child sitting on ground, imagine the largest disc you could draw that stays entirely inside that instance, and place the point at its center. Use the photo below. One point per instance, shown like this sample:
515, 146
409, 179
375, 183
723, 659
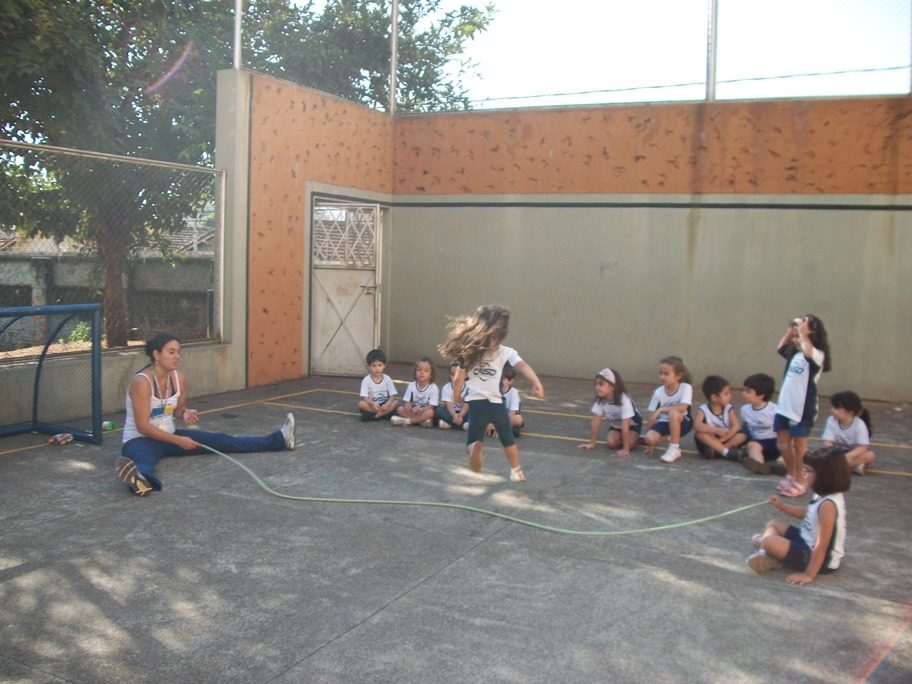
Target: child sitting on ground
419, 403
511, 401
757, 417
452, 411
850, 428
717, 430
612, 403
819, 544
669, 408
378, 392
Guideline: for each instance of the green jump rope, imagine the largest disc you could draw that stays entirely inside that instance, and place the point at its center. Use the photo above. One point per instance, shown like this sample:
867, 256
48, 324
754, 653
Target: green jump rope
472, 509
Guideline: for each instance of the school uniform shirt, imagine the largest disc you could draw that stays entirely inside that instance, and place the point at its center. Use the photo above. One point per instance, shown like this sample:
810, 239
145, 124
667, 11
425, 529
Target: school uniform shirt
512, 400
798, 395
429, 395
812, 521
446, 394
616, 413
717, 421
849, 437
758, 422
484, 379
661, 398
378, 392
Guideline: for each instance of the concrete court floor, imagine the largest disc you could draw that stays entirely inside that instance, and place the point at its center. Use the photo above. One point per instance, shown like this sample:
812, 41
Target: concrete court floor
215, 580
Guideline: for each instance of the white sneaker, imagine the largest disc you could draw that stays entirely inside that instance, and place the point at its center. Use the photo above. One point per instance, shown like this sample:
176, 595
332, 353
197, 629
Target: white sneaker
859, 469
399, 420
517, 475
288, 431
427, 423
465, 426
672, 454
443, 425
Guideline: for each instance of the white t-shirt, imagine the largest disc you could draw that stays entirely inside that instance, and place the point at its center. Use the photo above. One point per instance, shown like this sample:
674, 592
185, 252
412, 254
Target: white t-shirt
759, 421
661, 398
378, 392
511, 399
484, 379
854, 435
161, 411
615, 413
446, 394
717, 421
429, 395
798, 395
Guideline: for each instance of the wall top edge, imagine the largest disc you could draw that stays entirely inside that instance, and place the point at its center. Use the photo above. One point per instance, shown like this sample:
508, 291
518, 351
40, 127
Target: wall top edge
899, 202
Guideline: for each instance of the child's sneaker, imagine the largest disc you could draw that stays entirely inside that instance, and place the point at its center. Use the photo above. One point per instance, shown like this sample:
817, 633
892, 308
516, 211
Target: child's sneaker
427, 423
476, 456
672, 454
778, 468
465, 426
757, 540
761, 562
517, 475
288, 431
859, 469
443, 425
735, 454
399, 420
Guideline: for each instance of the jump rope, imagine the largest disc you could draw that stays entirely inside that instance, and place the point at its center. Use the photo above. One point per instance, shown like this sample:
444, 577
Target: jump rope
473, 509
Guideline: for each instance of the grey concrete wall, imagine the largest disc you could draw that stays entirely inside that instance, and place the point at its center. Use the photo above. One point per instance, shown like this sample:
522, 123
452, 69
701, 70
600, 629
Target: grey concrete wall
594, 285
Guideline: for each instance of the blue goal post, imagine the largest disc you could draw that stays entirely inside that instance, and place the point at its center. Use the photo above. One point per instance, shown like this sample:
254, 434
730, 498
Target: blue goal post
50, 370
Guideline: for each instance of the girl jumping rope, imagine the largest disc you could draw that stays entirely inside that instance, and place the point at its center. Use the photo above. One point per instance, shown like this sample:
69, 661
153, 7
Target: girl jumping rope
819, 544
807, 352
612, 403
670, 407
850, 428
475, 342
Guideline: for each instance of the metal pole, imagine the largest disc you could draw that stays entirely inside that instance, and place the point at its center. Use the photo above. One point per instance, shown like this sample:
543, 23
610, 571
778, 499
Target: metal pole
238, 14
712, 45
394, 50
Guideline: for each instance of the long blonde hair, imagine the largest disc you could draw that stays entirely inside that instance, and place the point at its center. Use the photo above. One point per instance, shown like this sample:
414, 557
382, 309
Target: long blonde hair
470, 337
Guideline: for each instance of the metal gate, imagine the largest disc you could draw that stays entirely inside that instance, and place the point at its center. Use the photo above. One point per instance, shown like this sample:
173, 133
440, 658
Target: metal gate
345, 287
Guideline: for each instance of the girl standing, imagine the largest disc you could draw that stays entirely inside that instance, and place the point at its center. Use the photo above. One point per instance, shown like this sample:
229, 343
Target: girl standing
475, 342
849, 428
819, 544
807, 353
670, 407
419, 403
612, 403
156, 396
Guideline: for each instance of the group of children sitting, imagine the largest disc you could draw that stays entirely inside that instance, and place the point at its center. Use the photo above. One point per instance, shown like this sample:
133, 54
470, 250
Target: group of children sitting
747, 436
423, 403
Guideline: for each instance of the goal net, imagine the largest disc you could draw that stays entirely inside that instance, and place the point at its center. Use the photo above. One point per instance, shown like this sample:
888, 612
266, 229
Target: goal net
50, 370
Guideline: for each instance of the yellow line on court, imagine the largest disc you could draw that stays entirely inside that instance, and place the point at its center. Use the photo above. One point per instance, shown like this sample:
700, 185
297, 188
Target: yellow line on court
877, 471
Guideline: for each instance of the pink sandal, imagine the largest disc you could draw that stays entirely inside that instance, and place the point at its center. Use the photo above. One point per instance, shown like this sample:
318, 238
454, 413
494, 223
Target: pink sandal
794, 489
785, 485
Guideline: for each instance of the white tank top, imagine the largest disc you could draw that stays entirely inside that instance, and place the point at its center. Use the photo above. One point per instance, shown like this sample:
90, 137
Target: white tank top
161, 408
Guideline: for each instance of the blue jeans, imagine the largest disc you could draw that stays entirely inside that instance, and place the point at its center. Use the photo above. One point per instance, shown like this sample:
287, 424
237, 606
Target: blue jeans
146, 452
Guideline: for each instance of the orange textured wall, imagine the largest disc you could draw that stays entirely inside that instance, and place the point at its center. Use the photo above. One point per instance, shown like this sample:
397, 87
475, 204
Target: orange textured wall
768, 147
297, 136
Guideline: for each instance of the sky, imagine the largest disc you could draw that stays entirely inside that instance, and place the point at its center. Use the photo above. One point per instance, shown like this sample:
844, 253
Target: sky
624, 49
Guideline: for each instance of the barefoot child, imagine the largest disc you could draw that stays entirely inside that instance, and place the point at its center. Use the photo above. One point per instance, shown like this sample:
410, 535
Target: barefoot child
475, 341
612, 403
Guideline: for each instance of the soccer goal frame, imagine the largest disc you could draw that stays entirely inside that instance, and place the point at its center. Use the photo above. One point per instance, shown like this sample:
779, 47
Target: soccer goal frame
65, 312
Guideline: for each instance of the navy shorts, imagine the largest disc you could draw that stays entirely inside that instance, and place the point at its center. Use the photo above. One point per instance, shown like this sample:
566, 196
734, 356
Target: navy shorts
482, 412
799, 429
663, 428
770, 448
799, 553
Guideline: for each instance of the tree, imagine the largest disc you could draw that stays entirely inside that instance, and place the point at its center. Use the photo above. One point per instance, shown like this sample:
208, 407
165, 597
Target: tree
138, 79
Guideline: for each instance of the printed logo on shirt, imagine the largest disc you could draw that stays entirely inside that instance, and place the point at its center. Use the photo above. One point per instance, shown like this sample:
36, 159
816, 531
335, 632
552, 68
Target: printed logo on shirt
484, 372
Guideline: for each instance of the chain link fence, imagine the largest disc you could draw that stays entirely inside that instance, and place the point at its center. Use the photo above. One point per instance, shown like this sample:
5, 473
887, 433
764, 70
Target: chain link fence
139, 237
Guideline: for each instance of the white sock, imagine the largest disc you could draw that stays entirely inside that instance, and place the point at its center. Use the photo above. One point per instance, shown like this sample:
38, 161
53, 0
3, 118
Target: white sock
725, 451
